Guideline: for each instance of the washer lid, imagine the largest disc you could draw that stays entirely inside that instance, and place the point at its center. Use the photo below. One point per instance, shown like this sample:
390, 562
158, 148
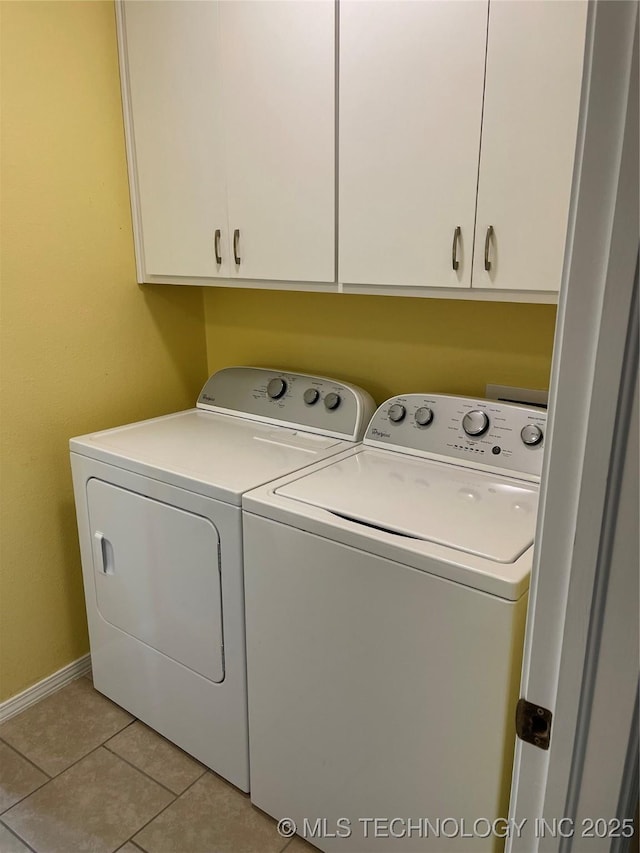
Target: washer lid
217, 455
467, 510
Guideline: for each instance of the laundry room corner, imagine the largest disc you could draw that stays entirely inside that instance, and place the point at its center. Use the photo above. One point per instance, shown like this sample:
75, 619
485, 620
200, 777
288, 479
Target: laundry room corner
83, 347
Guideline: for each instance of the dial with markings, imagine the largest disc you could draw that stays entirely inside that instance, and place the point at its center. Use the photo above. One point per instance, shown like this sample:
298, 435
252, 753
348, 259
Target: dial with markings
424, 416
276, 388
332, 401
396, 413
475, 423
531, 435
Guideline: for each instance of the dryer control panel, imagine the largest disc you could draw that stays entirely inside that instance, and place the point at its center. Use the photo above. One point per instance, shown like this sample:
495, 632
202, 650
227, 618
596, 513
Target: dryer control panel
312, 403
481, 433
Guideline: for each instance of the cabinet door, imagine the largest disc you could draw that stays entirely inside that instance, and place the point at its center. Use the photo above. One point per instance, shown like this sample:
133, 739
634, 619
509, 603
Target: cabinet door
279, 106
532, 97
170, 64
411, 78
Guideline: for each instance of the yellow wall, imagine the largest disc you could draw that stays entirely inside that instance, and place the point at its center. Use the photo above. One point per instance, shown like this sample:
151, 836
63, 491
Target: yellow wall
83, 347
389, 345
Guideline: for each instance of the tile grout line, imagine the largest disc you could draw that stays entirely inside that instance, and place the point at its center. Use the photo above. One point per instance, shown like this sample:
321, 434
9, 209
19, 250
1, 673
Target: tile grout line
44, 784
144, 772
77, 761
64, 770
22, 799
15, 835
22, 755
102, 744
135, 720
287, 841
144, 826
52, 778
131, 841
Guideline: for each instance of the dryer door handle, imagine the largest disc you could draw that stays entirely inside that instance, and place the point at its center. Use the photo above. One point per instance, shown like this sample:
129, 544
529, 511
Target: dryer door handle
106, 553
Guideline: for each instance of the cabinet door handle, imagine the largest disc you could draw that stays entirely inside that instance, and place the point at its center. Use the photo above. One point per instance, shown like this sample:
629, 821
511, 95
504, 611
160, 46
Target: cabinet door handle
216, 245
455, 263
487, 244
236, 246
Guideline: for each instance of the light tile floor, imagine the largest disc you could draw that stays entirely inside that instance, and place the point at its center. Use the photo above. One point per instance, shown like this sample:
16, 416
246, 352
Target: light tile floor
80, 775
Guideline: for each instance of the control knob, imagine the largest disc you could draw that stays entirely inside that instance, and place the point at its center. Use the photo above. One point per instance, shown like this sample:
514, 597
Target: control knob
531, 435
332, 401
276, 388
475, 423
311, 396
396, 413
424, 416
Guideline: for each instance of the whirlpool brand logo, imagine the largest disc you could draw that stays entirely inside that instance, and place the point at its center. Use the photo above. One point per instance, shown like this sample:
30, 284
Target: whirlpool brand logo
379, 434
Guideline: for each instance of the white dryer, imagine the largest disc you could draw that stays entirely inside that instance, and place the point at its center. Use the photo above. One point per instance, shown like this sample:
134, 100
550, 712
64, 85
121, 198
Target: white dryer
159, 519
386, 595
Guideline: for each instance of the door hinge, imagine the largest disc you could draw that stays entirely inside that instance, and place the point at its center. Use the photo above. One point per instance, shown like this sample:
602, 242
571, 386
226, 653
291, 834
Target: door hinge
533, 724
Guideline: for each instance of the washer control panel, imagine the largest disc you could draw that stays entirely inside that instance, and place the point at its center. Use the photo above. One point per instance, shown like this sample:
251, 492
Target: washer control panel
312, 403
482, 433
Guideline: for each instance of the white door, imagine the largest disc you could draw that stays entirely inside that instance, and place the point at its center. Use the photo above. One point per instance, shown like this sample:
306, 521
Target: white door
157, 575
411, 78
279, 106
171, 80
535, 53
581, 648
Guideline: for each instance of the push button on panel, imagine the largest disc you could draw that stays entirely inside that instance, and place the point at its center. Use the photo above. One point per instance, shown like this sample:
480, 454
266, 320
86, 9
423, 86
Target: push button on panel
276, 388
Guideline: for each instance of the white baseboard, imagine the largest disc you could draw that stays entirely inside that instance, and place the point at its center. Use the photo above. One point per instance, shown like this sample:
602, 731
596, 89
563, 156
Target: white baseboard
46, 687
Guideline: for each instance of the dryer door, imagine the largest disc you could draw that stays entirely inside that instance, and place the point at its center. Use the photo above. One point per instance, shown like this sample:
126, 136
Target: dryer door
157, 574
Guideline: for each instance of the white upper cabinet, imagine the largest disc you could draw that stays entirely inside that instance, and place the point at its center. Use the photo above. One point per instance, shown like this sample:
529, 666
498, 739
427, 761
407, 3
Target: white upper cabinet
230, 112
171, 87
279, 106
535, 53
410, 112
455, 139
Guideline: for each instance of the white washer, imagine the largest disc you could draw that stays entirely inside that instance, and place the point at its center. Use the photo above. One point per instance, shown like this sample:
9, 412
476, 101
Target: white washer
386, 597
160, 524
